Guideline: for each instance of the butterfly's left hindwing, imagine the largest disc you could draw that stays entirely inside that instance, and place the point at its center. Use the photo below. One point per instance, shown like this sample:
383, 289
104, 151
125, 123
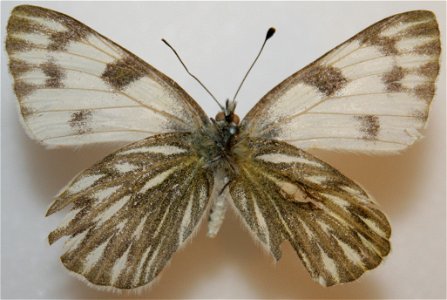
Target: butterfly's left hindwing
132, 211
284, 193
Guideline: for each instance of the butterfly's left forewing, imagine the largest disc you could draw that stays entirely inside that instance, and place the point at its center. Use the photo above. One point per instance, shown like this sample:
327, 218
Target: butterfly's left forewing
284, 193
132, 210
370, 94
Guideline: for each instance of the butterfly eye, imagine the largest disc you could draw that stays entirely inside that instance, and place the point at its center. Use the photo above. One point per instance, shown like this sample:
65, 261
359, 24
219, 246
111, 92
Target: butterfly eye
220, 116
234, 119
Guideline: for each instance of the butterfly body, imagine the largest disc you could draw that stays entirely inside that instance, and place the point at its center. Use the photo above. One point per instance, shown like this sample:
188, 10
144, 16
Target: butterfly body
221, 147
132, 210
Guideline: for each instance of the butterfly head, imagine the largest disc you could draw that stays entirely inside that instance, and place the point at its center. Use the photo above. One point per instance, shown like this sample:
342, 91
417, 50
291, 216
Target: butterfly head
228, 117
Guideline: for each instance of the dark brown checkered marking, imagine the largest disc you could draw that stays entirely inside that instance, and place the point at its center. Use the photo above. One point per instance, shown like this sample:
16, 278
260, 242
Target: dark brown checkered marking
425, 91
386, 45
60, 40
421, 115
392, 78
422, 29
369, 126
54, 75
13, 45
430, 70
80, 121
18, 67
121, 73
17, 24
431, 48
23, 89
327, 79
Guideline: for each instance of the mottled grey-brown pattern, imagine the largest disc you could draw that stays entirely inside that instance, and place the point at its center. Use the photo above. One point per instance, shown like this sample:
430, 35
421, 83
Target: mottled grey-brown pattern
316, 226
158, 210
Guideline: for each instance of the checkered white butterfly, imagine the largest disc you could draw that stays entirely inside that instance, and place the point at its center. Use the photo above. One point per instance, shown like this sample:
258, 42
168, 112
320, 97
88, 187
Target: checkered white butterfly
132, 210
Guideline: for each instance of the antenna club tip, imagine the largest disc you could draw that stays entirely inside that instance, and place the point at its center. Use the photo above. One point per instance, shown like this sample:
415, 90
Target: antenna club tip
270, 33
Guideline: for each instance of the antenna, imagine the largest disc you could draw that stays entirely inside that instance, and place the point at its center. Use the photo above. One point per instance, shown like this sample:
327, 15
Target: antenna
269, 34
192, 75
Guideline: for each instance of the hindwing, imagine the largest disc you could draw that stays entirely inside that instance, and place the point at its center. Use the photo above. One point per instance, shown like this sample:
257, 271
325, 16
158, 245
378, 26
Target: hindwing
132, 210
284, 193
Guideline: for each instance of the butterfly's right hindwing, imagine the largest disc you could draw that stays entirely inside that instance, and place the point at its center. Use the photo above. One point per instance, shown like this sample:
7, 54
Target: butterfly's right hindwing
75, 86
284, 193
132, 210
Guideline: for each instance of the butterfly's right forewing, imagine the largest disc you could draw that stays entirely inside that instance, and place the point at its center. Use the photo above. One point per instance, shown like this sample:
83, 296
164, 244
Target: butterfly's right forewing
77, 87
284, 193
131, 211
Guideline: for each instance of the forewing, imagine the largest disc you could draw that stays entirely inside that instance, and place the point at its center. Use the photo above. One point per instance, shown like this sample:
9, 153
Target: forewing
132, 210
76, 87
284, 193
370, 94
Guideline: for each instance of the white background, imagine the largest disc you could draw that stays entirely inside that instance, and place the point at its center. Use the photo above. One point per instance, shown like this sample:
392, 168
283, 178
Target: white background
218, 42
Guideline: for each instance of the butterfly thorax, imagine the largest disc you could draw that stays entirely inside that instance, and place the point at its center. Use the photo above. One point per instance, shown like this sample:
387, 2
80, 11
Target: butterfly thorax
215, 142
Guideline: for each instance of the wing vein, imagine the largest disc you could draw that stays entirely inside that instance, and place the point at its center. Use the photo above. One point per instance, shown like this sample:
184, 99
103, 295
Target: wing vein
360, 114
96, 108
99, 131
70, 53
341, 138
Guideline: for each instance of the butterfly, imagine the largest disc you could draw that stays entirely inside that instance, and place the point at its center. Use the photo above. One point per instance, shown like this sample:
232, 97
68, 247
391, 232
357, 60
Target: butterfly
132, 210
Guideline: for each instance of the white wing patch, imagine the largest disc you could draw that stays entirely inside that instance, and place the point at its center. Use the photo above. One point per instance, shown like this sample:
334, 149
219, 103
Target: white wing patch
83, 183
125, 167
111, 211
156, 180
167, 150
282, 158
186, 220
119, 266
370, 94
93, 257
74, 241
